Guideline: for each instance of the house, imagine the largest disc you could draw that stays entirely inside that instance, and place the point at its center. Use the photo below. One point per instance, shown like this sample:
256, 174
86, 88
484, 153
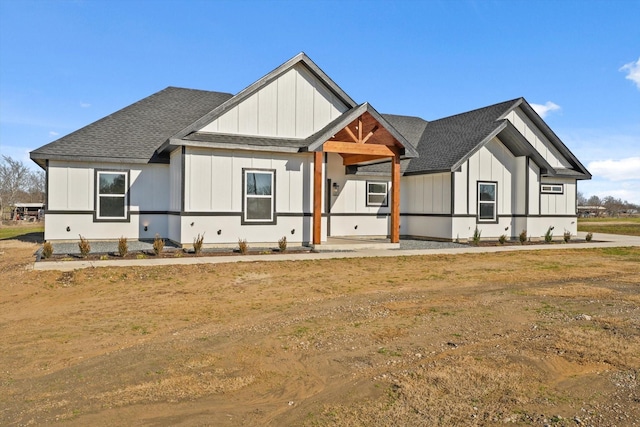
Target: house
294, 155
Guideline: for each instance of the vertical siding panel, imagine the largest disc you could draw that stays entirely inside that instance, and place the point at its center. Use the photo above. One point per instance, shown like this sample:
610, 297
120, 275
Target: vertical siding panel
223, 178
268, 110
228, 122
248, 116
321, 107
428, 193
287, 104
304, 103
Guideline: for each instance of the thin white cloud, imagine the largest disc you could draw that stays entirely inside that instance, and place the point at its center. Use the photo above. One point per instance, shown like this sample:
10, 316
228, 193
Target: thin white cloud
616, 170
53, 133
633, 72
544, 109
85, 105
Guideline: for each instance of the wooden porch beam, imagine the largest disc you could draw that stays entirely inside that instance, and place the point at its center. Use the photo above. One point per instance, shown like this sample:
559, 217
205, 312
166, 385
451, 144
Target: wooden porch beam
360, 141
350, 148
353, 159
395, 199
317, 197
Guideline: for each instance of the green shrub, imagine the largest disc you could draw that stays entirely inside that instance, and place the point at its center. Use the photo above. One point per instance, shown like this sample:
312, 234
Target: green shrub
123, 247
502, 239
548, 236
589, 236
476, 237
243, 246
282, 244
158, 245
197, 243
47, 250
522, 236
84, 246
566, 236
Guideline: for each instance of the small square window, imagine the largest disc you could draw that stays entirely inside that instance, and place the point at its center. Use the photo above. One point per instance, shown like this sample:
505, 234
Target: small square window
377, 193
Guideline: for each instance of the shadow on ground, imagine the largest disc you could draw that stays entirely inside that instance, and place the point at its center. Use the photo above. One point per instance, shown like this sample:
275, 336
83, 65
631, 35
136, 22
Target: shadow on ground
35, 237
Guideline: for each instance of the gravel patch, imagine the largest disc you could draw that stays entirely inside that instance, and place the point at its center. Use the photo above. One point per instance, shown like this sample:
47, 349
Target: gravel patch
99, 247
103, 247
414, 244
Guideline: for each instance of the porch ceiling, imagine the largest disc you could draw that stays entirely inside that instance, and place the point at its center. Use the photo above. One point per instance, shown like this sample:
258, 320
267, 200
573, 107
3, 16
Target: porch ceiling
363, 140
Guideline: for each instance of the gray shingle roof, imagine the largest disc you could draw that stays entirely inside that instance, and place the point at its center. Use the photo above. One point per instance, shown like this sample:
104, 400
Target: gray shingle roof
133, 133
444, 143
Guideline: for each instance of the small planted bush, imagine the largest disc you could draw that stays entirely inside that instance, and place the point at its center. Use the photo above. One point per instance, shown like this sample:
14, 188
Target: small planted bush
476, 237
522, 237
282, 244
502, 239
548, 236
243, 246
197, 243
589, 236
566, 236
47, 250
158, 245
123, 247
84, 246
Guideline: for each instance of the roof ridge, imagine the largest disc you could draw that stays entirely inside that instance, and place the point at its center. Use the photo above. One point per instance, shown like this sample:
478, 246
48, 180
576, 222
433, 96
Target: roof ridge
510, 102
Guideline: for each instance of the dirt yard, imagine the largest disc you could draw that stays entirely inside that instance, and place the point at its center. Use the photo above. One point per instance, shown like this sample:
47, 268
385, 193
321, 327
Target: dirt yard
526, 338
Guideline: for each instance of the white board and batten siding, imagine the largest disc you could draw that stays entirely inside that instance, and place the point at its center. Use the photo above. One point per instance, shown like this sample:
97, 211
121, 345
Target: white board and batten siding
214, 185
72, 189
535, 137
496, 164
294, 105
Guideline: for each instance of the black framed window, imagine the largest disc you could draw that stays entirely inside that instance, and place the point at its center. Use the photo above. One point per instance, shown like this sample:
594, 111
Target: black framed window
259, 196
112, 195
551, 188
487, 198
377, 193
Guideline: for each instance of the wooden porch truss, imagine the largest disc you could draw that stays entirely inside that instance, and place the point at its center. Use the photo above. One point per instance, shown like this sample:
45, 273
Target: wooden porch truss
363, 140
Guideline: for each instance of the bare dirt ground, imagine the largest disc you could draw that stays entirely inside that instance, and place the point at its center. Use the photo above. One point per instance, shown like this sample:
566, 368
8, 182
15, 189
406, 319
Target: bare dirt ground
526, 338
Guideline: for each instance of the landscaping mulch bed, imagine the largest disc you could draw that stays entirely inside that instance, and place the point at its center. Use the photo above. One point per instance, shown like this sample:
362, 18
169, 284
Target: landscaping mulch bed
172, 253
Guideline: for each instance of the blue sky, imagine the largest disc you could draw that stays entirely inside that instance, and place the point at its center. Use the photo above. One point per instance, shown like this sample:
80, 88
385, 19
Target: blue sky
65, 64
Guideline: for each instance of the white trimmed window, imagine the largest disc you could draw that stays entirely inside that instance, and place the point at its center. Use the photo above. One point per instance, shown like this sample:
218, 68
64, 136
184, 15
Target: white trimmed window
111, 195
377, 193
487, 192
551, 188
259, 192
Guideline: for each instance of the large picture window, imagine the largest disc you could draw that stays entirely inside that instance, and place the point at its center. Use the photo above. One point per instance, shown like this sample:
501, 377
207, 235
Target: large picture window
377, 193
259, 196
112, 201
487, 194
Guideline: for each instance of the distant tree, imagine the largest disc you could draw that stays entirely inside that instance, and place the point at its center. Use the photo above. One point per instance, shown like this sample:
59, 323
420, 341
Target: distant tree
582, 200
596, 202
14, 176
614, 206
35, 187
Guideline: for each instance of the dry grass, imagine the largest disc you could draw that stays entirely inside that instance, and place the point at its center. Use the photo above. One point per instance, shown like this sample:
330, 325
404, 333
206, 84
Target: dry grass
476, 339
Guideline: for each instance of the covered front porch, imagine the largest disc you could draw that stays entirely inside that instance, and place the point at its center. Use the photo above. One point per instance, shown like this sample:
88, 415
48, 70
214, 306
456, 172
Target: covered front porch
359, 137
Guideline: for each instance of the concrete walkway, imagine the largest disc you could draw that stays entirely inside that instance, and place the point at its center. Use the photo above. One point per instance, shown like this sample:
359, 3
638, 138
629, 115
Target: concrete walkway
601, 241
